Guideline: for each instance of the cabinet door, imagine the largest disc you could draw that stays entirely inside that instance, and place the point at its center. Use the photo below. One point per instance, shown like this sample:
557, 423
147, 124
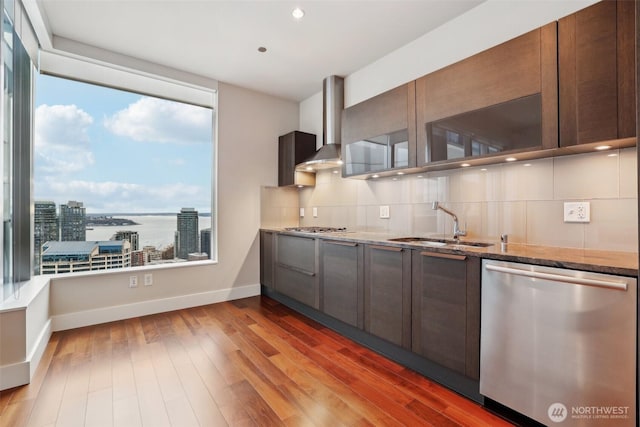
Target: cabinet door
379, 134
387, 293
446, 310
293, 148
597, 73
295, 274
342, 281
267, 259
522, 69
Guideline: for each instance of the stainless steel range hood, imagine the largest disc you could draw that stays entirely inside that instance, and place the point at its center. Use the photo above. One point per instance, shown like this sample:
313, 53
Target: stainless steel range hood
329, 155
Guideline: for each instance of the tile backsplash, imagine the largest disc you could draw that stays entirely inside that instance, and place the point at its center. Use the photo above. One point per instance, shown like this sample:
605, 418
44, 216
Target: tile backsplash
522, 199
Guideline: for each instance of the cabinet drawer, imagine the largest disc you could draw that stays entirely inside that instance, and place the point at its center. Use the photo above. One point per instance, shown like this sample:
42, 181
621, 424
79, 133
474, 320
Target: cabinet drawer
298, 285
297, 252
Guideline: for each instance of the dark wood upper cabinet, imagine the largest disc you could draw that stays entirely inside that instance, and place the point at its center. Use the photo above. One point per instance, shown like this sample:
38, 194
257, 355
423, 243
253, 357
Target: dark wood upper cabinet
596, 51
294, 148
379, 134
501, 100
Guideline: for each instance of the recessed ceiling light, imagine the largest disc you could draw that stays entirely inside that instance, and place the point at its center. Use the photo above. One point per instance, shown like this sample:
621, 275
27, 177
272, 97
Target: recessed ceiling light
526, 165
612, 155
465, 165
297, 13
603, 147
339, 162
419, 176
483, 169
300, 186
400, 173
375, 176
262, 49
309, 168
335, 171
510, 159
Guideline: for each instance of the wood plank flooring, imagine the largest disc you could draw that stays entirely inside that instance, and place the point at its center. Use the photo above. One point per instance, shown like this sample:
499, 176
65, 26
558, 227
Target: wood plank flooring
250, 362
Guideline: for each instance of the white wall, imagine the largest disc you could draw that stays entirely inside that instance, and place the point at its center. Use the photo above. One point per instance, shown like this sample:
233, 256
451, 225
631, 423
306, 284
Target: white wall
249, 124
485, 26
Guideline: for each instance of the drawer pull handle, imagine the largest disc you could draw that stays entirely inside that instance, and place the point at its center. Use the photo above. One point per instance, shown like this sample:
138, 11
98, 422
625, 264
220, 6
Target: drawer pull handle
387, 248
297, 270
447, 256
335, 242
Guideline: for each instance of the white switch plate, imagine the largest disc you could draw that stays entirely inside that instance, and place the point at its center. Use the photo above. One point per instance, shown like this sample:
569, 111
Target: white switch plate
577, 212
148, 279
133, 281
301, 212
384, 211
315, 212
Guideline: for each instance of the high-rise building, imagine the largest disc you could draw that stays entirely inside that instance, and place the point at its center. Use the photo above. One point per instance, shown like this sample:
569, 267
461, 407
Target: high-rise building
69, 257
187, 233
131, 236
72, 222
205, 241
45, 228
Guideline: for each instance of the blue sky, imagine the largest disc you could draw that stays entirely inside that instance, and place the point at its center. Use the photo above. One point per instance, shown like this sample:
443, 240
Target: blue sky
117, 151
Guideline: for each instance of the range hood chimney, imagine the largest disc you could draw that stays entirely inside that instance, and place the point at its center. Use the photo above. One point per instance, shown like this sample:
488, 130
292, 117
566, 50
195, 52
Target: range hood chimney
329, 155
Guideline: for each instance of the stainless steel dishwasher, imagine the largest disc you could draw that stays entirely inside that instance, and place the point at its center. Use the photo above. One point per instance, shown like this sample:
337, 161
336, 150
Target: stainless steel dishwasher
559, 346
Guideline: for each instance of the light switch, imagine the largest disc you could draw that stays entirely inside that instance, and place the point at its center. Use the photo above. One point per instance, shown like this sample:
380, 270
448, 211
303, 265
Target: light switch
315, 212
301, 212
384, 211
577, 212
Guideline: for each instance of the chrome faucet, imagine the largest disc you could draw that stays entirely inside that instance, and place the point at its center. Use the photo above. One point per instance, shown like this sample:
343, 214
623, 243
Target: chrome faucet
456, 227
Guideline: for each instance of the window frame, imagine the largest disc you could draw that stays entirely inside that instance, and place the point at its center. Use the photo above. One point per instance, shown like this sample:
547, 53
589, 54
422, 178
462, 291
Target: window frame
122, 78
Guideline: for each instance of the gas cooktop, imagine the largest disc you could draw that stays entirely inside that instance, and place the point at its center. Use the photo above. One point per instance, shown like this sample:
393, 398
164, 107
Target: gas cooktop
316, 229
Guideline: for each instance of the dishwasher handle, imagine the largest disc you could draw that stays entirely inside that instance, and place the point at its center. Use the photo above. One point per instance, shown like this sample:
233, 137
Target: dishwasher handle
607, 284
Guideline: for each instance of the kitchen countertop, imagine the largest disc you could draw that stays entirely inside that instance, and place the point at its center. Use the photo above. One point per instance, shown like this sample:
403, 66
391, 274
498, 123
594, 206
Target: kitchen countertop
598, 261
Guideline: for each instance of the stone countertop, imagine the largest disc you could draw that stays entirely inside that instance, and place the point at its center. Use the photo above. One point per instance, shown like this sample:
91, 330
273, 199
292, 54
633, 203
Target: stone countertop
598, 261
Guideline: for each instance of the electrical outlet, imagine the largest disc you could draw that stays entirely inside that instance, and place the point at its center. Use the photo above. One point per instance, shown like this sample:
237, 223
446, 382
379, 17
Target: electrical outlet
133, 281
148, 279
384, 211
301, 212
315, 212
577, 212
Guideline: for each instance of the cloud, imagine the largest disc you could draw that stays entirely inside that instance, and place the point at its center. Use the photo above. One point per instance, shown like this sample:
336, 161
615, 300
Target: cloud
61, 140
111, 196
158, 120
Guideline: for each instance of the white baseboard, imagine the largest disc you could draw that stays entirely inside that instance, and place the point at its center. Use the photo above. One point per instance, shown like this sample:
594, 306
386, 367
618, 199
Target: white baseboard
38, 349
21, 373
14, 375
80, 319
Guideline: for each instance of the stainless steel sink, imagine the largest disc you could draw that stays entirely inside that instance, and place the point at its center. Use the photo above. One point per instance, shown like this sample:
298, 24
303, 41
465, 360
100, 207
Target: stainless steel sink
429, 241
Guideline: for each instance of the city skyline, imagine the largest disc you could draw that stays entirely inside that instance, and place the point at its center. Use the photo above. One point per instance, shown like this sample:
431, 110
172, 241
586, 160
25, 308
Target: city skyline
120, 152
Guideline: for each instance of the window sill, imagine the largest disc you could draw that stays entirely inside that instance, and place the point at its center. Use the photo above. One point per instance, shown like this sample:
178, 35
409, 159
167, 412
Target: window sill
18, 296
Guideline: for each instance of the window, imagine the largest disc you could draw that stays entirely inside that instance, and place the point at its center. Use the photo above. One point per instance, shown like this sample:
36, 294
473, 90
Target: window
120, 179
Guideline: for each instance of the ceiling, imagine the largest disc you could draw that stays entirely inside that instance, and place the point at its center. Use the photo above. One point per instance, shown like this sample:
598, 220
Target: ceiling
220, 39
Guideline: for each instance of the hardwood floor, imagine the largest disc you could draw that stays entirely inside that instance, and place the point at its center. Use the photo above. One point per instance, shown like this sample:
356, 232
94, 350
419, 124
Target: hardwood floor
250, 362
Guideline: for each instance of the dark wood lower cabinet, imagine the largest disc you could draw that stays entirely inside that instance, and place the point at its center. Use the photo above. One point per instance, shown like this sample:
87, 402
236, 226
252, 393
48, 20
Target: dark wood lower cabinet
296, 269
387, 293
446, 310
267, 257
342, 281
